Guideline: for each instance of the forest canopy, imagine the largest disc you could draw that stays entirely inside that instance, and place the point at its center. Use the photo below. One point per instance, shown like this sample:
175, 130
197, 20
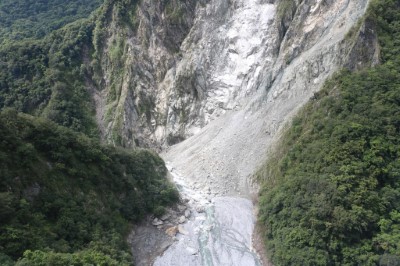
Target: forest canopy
331, 190
22, 19
65, 197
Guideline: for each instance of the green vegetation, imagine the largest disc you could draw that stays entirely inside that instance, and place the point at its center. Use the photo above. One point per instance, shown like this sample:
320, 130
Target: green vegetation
174, 14
51, 77
55, 77
286, 8
331, 192
47, 78
22, 19
65, 199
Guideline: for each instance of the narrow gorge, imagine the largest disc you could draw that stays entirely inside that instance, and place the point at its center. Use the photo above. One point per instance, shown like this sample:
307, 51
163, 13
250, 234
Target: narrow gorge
115, 101
211, 84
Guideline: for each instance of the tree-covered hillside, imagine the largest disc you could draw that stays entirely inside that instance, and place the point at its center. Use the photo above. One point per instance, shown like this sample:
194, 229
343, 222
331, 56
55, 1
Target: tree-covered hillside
21, 19
65, 199
54, 77
331, 192
45, 77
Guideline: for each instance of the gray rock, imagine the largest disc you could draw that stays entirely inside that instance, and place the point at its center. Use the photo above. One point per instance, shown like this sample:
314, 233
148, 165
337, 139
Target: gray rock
157, 222
182, 208
182, 219
192, 251
187, 213
165, 216
172, 231
182, 230
200, 209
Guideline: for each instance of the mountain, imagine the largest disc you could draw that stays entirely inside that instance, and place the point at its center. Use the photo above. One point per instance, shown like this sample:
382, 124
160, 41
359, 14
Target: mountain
23, 19
331, 187
64, 197
213, 85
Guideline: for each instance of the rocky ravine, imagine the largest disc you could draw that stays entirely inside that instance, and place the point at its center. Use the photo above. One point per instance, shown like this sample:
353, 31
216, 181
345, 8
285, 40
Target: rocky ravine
237, 71
225, 153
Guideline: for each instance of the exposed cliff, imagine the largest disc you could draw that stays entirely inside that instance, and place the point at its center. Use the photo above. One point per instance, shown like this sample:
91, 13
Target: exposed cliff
164, 70
290, 65
159, 72
136, 44
218, 78
169, 68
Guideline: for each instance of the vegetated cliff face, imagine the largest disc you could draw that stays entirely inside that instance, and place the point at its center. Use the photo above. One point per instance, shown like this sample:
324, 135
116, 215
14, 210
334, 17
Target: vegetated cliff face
135, 49
228, 73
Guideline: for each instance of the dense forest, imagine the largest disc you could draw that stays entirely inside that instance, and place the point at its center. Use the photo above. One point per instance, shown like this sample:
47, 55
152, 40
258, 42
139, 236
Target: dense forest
64, 198
44, 77
22, 19
52, 77
331, 190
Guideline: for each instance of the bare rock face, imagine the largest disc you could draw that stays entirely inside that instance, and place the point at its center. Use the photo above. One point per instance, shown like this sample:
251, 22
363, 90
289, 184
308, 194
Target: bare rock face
179, 65
211, 84
134, 53
261, 63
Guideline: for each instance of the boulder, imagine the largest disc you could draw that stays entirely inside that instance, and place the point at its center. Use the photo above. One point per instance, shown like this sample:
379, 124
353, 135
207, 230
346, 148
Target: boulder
192, 251
200, 209
165, 217
157, 222
181, 208
172, 231
182, 219
187, 213
182, 230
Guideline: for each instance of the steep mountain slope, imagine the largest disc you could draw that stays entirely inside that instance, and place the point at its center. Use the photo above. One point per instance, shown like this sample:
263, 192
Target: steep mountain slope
65, 199
21, 19
158, 72
136, 44
298, 48
216, 79
331, 187
293, 64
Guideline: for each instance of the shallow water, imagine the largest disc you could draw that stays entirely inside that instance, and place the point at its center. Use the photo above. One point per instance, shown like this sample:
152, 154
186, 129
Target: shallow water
220, 234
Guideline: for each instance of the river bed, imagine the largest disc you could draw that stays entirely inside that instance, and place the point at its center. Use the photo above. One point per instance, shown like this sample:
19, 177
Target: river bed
219, 231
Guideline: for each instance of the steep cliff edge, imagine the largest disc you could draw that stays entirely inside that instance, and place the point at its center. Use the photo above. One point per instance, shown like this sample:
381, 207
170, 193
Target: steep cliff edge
228, 73
169, 68
289, 69
136, 43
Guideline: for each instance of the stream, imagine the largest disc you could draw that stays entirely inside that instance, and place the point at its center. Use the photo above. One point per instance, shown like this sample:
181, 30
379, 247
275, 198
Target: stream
251, 91
219, 231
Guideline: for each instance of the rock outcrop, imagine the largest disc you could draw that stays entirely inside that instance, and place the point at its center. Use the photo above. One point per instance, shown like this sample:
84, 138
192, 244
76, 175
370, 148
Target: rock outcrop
228, 73
166, 69
214, 91
295, 54
134, 52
